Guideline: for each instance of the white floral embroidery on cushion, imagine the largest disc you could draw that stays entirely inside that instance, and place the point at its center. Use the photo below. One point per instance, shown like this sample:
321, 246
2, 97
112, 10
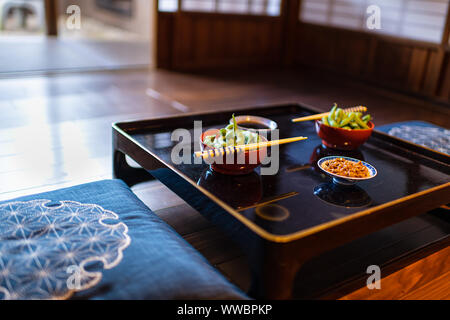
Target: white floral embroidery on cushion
434, 138
45, 247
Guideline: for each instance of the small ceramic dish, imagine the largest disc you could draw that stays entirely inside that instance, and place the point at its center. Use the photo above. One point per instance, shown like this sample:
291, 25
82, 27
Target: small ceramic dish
346, 180
255, 124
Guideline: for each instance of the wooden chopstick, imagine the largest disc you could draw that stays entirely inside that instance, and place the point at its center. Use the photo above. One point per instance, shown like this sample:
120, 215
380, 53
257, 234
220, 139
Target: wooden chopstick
227, 150
326, 114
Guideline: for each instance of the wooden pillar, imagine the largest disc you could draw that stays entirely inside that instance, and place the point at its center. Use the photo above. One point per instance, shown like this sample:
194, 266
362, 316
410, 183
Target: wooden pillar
51, 17
446, 32
289, 14
443, 89
164, 37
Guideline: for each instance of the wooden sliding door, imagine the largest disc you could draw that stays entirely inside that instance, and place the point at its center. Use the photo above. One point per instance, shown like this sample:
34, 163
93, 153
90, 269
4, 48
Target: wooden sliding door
219, 33
409, 52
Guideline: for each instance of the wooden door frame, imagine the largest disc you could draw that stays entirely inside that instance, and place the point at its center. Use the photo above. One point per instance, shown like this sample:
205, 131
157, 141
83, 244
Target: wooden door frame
436, 67
51, 17
446, 32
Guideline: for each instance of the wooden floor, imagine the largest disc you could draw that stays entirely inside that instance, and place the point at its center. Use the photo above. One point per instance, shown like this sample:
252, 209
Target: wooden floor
55, 131
27, 54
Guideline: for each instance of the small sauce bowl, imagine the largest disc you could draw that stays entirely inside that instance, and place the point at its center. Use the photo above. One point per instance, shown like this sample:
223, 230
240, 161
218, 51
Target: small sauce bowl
255, 124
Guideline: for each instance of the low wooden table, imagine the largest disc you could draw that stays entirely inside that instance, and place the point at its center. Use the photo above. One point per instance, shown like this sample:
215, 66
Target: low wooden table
283, 220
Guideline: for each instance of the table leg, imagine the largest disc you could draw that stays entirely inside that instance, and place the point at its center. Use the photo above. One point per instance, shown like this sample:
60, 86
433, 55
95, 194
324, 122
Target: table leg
122, 170
273, 279
274, 266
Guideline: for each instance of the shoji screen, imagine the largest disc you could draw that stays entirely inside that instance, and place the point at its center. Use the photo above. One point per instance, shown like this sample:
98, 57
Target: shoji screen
254, 7
412, 19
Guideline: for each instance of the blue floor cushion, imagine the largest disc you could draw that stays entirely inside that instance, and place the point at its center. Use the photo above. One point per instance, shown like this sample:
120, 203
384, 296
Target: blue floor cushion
98, 241
421, 133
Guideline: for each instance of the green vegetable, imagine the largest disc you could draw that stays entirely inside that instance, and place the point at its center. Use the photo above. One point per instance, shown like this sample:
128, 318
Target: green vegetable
338, 118
339, 115
367, 118
352, 116
333, 110
332, 122
361, 123
231, 135
347, 119
234, 129
209, 139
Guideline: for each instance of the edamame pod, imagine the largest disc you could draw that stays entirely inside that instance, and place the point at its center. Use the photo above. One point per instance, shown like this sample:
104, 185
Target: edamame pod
325, 121
347, 120
332, 112
352, 115
367, 118
332, 122
361, 123
338, 116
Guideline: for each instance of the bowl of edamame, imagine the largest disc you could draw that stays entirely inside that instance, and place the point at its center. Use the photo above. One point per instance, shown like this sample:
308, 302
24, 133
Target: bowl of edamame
344, 130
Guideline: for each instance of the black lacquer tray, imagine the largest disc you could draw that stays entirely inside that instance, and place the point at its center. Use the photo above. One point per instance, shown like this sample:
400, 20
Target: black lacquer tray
299, 211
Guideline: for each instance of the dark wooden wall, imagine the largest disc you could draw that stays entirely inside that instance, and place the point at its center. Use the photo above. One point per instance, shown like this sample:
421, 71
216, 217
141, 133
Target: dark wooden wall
407, 65
444, 81
193, 40
190, 40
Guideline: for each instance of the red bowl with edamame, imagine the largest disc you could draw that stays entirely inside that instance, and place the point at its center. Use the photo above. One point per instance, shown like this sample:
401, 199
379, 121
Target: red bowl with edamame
343, 139
234, 165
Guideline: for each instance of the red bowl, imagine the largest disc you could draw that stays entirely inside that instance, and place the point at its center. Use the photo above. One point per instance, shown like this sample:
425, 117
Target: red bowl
234, 165
343, 139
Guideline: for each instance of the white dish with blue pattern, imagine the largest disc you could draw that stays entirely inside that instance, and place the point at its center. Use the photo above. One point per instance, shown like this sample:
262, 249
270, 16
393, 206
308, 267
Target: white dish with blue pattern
346, 180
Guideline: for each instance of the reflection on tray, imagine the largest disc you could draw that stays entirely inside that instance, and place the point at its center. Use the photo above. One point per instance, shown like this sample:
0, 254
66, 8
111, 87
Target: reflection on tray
270, 200
322, 151
237, 191
343, 196
272, 212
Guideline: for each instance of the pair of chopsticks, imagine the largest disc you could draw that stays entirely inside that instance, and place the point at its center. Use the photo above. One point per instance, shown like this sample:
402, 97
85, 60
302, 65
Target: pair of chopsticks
248, 147
326, 114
